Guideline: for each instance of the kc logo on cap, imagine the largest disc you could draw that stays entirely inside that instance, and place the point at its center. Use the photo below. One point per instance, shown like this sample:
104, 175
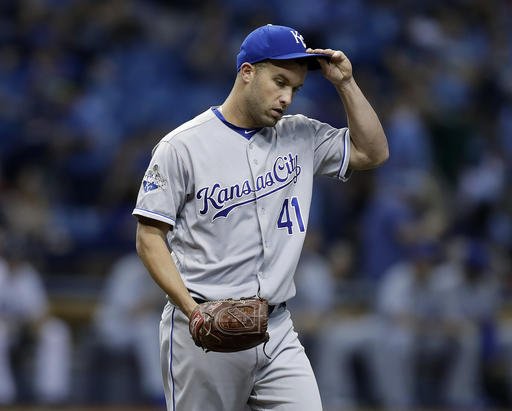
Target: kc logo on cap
271, 42
298, 37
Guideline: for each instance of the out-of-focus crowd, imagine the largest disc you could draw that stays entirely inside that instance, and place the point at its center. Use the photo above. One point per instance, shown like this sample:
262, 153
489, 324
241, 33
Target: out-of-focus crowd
404, 288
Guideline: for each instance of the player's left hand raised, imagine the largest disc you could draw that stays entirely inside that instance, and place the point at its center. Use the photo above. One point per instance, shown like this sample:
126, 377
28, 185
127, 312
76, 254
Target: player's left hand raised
337, 69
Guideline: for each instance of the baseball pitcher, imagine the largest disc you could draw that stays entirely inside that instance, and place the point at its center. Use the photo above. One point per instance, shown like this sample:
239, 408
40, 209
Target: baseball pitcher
222, 214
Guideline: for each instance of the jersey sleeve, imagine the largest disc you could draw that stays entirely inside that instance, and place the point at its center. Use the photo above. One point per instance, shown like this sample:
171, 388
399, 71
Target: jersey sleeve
332, 150
163, 189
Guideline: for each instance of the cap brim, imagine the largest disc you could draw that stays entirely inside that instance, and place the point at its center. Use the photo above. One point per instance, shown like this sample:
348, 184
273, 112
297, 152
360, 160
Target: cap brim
311, 58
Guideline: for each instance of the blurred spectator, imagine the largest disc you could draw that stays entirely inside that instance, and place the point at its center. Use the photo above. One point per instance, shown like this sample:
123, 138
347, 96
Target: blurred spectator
406, 207
25, 322
25, 206
409, 140
480, 194
127, 322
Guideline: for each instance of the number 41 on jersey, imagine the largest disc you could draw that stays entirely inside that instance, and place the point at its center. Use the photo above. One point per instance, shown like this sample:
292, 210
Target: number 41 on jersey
287, 219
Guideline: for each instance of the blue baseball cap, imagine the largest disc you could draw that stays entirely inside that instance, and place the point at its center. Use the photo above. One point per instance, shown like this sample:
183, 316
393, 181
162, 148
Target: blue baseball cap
272, 42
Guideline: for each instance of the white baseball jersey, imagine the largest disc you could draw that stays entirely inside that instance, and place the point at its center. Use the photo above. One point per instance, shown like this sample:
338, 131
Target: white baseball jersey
22, 294
239, 207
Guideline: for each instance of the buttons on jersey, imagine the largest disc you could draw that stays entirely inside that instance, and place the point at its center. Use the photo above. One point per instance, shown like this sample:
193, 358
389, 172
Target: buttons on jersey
255, 161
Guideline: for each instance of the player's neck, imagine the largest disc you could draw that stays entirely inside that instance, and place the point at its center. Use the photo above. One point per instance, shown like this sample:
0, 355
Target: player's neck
233, 112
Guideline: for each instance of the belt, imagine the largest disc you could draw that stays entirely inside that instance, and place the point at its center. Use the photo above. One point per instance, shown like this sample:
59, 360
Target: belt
271, 308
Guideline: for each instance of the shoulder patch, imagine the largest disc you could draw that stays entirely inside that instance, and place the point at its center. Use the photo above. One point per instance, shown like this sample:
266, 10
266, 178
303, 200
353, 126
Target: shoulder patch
153, 180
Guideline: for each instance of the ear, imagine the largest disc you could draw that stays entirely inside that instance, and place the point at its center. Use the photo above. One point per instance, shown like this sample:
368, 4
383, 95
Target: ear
247, 71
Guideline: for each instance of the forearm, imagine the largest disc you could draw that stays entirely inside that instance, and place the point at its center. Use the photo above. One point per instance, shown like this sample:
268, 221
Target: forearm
369, 144
152, 250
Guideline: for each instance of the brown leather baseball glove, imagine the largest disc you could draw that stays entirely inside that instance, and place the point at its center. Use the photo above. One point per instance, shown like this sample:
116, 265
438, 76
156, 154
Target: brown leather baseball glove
230, 325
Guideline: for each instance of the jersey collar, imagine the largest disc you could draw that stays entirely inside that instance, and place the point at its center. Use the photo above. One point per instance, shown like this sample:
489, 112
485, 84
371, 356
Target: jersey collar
244, 132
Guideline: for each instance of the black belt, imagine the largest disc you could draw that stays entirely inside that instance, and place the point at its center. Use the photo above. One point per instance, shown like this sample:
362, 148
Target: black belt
271, 308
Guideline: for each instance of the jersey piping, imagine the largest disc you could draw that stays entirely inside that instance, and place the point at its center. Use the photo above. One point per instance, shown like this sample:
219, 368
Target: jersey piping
154, 215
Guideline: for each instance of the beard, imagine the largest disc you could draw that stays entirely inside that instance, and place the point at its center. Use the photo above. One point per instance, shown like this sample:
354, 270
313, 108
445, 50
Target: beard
259, 113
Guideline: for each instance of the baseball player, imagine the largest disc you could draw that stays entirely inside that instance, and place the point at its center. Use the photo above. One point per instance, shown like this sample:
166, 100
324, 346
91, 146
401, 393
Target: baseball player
222, 213
24, 310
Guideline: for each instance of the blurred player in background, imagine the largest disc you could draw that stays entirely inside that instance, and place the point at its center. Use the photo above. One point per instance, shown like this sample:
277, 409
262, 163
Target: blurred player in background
24, 316
433, 314
127, 320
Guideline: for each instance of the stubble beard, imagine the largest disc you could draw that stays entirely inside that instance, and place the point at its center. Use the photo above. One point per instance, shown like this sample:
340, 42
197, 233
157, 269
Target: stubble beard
260, 115
257, 111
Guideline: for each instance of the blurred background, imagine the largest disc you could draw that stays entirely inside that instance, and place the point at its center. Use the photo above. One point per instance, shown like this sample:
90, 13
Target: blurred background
404, 288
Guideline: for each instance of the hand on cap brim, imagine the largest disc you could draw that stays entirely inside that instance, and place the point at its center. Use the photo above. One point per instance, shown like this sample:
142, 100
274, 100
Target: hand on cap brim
336, 67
